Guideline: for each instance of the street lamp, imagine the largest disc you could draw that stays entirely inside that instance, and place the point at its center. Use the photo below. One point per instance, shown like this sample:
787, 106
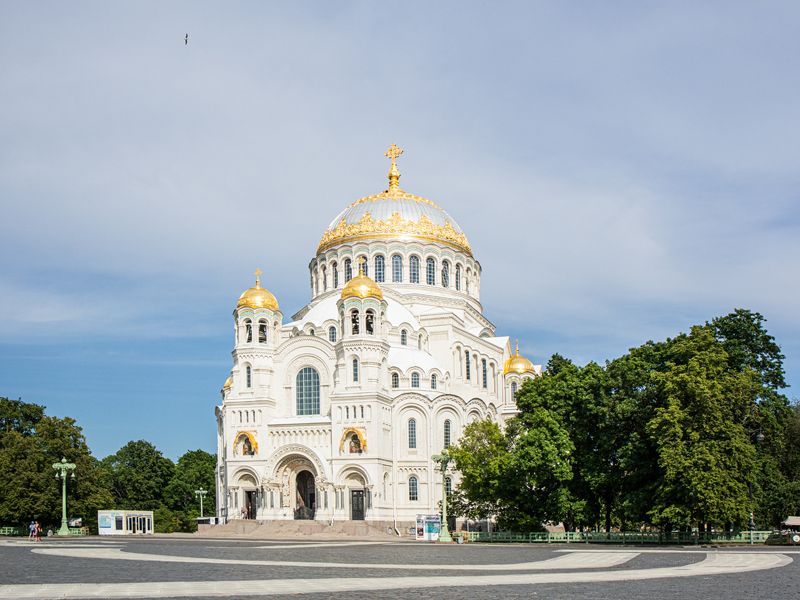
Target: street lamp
443, 459
201, 494
61, 472
759, 438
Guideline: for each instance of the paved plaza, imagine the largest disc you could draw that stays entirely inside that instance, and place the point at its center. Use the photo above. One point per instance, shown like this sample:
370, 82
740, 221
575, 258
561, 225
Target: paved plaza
191, 567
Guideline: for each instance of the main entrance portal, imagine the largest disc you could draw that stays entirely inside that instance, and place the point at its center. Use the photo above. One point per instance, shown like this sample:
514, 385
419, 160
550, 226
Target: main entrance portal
251, 504
357, 505
306, 496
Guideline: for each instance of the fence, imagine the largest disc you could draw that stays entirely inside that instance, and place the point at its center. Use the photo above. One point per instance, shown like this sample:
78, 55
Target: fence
622, 537
24, 531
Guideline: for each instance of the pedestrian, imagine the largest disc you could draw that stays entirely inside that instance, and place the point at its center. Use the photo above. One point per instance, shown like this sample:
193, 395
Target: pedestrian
31, 530
38, 532
244, 513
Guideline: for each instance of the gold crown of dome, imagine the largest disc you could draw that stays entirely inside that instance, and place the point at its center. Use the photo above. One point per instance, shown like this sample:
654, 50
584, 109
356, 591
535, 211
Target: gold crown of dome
362, 286
518, 364
394, 214
257, 297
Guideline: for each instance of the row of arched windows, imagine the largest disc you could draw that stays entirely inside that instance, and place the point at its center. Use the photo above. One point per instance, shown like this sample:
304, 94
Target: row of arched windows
380, 271
412, 433
414, 380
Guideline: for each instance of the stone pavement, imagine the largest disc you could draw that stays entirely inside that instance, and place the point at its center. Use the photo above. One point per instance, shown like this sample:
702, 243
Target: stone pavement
165, 567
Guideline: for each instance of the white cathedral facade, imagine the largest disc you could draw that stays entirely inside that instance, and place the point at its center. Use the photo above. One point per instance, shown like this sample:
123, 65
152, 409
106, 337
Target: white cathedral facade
335, 413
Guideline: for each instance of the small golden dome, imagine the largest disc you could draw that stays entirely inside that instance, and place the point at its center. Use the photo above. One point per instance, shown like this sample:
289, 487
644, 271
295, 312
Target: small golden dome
227, 385
362, 287
257, 297
518, 364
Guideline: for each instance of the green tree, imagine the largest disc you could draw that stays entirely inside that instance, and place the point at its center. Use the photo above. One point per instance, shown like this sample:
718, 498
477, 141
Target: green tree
30, 443
705, 457
138, 476
195, 469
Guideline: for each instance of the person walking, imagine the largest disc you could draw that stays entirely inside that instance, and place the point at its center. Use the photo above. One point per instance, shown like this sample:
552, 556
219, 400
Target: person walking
31, 531
38, 532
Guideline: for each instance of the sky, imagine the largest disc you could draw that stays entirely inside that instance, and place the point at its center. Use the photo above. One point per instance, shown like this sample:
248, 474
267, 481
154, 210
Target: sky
622, 170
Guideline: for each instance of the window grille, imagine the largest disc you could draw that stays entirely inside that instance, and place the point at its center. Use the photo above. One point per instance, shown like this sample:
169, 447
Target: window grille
415, 380
431, 272
380, 269
413, 269
412, 434
412, 489
307, 385
397, 269
445, 274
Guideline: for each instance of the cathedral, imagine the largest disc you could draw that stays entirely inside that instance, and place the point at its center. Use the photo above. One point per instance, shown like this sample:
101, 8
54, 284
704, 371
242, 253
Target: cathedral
334, 414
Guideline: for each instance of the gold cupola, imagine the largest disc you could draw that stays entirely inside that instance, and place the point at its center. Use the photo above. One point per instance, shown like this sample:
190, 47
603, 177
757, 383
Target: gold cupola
257, 297
518, 364
227, 385
361, 286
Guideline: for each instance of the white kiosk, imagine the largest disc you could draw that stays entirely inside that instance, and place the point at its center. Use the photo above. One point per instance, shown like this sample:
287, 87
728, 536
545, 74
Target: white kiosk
124, 522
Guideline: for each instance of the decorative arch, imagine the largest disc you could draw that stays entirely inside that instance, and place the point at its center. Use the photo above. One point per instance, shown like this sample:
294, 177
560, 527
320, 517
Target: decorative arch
241, 472
361, 438
352, 469
250, 436
284, 455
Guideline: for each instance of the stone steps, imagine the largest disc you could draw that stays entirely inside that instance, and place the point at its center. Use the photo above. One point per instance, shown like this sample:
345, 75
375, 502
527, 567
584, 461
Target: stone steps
299, 528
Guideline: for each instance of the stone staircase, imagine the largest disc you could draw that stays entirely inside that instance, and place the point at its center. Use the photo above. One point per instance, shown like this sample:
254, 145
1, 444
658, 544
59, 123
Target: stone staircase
299, 528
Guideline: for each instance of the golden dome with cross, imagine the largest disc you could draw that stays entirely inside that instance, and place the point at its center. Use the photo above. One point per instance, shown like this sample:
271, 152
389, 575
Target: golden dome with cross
518, 364
361, 286
257, 297
394, 214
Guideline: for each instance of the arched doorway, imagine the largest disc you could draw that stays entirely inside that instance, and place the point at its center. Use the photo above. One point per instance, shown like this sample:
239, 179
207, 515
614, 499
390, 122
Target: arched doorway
306, 495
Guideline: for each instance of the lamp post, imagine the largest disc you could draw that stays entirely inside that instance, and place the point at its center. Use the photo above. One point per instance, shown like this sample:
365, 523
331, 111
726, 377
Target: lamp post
201, 493
442, 460
759, 438
61, 472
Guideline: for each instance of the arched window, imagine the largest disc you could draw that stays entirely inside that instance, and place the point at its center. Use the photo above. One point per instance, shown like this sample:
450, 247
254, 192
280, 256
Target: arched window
513, 389
413, 269
354, 322
412, 434
419, 343
362, 260
404, 337
346, 412
468, 284
458, 278
413, 495
466, 355
324, 279
240, 416
249, 331
348, 270
395, 380
385, 478
431, 272
307, 385
335, 268
447, 433
445, 274
310, 332
369, 322
433, 381
380, 269
448, 486
262, 333
483, 367
247, 416
355, 369
415, 380
332, 334
249, 378
397, 269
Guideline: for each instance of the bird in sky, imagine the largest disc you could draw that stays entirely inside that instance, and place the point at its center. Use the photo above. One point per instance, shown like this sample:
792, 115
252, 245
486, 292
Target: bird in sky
186, 39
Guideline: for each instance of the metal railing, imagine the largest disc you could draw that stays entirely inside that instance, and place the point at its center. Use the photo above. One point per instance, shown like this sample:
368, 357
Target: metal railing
621, 537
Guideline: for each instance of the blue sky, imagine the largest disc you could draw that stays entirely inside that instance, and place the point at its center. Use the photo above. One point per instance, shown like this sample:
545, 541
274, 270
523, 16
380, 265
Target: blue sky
622, 170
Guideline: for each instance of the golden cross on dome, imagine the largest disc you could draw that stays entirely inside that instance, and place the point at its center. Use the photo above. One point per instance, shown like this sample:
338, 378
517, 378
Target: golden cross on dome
393, 152
517, 347
257, 273
361, 262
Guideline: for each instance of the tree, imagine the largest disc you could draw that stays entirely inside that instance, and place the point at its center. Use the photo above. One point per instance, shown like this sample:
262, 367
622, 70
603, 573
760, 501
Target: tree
138, 475
30, 443
194, 470
705, 458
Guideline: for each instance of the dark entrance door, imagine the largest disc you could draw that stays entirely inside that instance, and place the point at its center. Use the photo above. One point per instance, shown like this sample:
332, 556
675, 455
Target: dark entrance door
251, 504
357, 505
306, 496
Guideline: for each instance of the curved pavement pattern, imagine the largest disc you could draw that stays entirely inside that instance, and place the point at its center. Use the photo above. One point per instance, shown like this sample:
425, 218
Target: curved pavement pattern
569, 563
